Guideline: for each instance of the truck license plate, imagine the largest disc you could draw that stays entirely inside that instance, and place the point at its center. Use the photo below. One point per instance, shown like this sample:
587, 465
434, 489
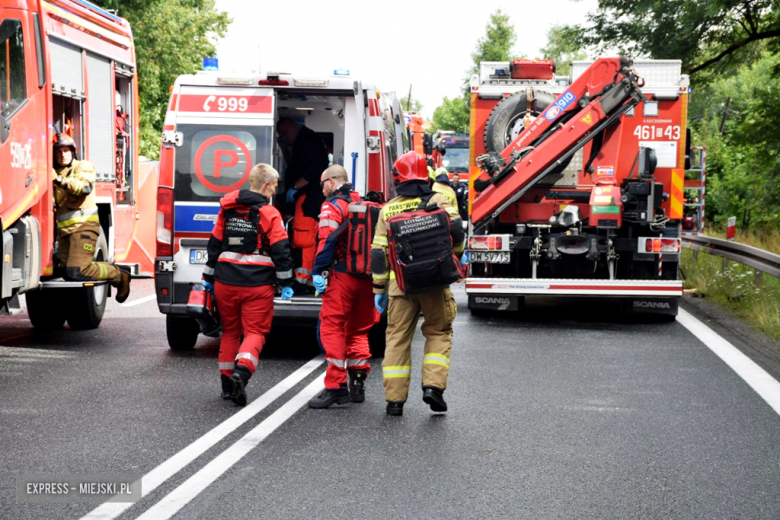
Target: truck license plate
198, 256
489, 257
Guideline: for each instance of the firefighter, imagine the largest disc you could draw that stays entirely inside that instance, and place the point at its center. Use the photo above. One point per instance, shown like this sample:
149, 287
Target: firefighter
437, 303
347, 313
248, 253
78, 224
462, 195
305, 163
440, 183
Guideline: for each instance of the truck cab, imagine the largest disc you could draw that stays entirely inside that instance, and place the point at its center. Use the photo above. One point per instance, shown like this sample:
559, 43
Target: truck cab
217, 127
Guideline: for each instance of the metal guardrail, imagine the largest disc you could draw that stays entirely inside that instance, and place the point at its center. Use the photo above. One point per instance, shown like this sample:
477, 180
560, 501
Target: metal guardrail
758, 259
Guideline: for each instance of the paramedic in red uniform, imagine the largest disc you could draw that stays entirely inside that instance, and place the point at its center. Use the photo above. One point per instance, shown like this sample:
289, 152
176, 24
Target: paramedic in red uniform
347, 313
305, 163
248, 253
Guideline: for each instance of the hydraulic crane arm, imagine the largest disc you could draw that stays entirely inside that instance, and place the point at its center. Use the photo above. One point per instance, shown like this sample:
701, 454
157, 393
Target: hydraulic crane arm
600, 96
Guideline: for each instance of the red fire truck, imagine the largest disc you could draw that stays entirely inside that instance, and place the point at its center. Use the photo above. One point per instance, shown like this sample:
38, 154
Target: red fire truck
217, 127
451, 150
577, 182
68, 66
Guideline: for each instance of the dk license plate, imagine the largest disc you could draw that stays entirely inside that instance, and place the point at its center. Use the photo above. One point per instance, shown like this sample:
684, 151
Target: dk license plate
198, 256
489, 257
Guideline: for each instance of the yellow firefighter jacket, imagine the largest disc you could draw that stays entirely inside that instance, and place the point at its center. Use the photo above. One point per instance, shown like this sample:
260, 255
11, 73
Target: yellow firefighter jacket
446, 190
74, 193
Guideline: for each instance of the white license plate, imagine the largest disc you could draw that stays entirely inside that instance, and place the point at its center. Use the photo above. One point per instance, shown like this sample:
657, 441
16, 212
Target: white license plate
489, 257
198, 256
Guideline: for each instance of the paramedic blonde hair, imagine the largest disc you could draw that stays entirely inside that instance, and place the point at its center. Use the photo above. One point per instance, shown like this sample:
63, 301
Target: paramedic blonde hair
260, 174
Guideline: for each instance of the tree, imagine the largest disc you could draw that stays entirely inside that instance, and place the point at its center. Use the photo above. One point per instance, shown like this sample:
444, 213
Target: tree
703, 33
495, 45
171, 38
563, 46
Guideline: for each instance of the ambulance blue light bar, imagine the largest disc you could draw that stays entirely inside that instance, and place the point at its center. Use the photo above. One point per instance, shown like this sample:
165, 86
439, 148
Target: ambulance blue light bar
210, 64
341, 72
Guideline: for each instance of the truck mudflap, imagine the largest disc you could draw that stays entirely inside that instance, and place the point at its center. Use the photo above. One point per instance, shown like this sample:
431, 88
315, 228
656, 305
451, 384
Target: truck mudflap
566, 287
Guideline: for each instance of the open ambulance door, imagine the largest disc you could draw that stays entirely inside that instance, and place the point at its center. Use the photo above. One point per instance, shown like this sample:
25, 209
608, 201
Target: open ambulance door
355, 145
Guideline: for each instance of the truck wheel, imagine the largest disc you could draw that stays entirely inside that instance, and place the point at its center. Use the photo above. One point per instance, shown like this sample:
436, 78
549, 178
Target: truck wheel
46, 309
182, 332
506, 120
85, 306
376, 338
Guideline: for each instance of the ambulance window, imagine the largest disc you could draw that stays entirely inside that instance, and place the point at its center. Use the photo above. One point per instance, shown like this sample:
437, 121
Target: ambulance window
13, 89
213, 159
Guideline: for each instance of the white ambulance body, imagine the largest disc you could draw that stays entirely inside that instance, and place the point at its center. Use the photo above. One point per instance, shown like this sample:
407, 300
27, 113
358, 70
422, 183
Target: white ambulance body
218, 126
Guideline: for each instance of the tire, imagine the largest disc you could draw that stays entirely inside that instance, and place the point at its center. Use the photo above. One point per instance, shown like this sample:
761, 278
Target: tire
506, 118
377, 339
46, 309
182, 332
86, 306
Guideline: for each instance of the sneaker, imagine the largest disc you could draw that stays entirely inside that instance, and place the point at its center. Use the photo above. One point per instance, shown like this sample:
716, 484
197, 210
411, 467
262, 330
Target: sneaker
328, 397
434, 398
395, 408
357, 385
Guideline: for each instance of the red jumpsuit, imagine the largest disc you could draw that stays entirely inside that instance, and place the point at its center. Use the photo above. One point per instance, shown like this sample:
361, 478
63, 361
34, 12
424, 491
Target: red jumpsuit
243, 279
347, 313
305, 238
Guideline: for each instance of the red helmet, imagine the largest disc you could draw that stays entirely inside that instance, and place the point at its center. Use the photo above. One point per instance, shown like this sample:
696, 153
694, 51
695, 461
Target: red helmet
411, 166
64, 140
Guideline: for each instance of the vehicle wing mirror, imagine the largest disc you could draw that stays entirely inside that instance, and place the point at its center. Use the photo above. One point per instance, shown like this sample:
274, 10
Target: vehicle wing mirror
442, 151
5, 128
427, 144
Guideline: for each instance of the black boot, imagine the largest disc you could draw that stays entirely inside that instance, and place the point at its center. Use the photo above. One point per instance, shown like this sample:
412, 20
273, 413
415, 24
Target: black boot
434, 398
227, 387
239, 379
330, 396
395, 408
357, 385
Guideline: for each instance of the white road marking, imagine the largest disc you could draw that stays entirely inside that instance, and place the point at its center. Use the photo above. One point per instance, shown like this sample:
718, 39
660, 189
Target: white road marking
182, 495
34, 353
759, 380
139, 301
170, 467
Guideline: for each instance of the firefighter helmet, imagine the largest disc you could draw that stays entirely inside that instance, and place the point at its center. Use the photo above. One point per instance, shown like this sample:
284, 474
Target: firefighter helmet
441, 175
61, 139
411, 166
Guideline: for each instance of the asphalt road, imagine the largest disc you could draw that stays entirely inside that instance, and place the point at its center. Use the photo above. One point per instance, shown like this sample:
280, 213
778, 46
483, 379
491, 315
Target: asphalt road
562, 412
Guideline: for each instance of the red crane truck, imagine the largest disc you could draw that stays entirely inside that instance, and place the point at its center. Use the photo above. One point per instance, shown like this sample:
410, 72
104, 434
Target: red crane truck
68, 66
577, 183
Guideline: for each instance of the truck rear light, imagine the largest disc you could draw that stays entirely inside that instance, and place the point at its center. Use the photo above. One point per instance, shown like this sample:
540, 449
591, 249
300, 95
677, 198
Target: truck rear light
489, 243
274, 82
659, 245
164, 222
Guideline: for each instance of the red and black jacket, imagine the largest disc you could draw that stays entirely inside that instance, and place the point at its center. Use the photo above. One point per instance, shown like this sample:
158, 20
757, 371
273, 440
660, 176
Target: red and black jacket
249, 246
333, 248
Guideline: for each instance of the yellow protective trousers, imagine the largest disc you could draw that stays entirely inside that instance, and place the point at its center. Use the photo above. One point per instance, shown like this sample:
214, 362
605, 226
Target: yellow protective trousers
76, 253
439, 309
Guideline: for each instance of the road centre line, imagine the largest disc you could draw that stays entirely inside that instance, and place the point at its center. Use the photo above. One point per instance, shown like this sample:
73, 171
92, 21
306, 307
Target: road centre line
192, 487
759, 380
174, 464
139, 301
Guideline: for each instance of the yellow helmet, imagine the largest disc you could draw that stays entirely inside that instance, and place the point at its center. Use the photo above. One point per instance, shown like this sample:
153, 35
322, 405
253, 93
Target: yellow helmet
440, 175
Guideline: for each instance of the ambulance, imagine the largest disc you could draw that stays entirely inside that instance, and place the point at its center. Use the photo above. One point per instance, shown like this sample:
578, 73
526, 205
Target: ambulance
220, 125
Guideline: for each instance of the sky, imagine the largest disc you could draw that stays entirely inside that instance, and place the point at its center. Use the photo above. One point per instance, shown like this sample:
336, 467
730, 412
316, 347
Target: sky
388, 44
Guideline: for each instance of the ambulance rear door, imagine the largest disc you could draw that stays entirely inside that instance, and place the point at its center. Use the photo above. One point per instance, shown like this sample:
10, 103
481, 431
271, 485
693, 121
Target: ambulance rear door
223, 132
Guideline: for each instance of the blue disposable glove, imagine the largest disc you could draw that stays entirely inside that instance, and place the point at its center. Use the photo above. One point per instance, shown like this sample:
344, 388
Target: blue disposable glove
207, 285
287, 293
291, 195
380, 302
464, 260
319, 283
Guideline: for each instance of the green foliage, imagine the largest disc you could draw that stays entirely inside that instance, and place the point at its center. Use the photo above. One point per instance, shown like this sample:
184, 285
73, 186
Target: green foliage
701, 33
452, 114
744, 162
171, 38
563, 46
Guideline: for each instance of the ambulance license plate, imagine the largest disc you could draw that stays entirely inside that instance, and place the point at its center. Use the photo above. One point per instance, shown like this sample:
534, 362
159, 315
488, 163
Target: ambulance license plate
489, 257
198, 256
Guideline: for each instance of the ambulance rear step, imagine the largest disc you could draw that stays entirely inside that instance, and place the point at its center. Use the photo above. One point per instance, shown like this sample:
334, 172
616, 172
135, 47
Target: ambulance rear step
60, 283
303, 307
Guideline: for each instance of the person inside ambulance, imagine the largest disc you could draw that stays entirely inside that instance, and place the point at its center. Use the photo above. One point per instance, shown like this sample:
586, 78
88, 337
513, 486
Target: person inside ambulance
78, 223
425, 278
347, 312
440, 183
248, 252
306, 157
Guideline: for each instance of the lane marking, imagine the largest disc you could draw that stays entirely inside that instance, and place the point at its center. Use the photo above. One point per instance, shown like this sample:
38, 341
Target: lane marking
182, 495
170, 467
36, 353
759, 380
139, 301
